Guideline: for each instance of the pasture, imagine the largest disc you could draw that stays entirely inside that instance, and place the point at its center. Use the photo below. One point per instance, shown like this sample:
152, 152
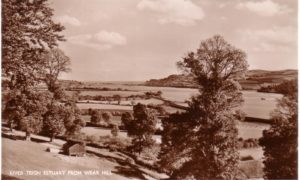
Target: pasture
257, 104
246, 130
128, 103
101, 132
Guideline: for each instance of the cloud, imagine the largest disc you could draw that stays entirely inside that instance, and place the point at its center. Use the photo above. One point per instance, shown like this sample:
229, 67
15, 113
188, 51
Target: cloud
66, 19
102, 40
183, 12
265, 8
110, 38
272, 39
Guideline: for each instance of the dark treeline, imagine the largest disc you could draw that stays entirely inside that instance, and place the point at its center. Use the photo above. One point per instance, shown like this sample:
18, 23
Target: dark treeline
286, 87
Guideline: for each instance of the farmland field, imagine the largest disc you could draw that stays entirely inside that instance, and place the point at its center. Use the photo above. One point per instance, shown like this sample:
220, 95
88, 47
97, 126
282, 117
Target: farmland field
245, 129
142, 101
257, 104
103, 106
111, 93
251, 129
114, 119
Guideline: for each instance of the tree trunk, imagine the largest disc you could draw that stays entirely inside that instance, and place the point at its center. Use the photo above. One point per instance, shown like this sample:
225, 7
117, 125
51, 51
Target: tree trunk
28, 136
11, 127
140, 148
51, 138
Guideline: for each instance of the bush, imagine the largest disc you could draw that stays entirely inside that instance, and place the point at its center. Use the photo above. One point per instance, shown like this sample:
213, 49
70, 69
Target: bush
130, 160
115, 144
115, 130
246, 158
91, 139
150, 154
247, 143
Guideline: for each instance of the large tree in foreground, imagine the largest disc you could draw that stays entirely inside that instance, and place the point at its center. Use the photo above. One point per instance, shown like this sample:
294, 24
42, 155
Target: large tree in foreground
280, 141
28, 32
201, 143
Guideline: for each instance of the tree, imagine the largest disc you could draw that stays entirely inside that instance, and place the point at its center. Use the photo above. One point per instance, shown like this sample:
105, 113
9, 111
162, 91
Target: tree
115, 130
127, 119
141, 127
159, 93
28, 33
53, 123
106, 116
28, 30
72, 121
117, 98
96, 117
25, 110
56, 62
201, 143
280, 141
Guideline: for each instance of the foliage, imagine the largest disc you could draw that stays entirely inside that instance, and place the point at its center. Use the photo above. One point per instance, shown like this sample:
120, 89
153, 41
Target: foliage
53, 122
28, 30
201, 143
248, 143
56, 62
72, 121
117, 98
287, 87
30, 56
115, 130
115, 144
127, 119
107, 116
91, 139
240, 115
280, 141
25, 110
141, 127
96, 117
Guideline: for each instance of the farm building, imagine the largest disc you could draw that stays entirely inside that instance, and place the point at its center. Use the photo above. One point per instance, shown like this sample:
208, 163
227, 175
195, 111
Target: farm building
74, 148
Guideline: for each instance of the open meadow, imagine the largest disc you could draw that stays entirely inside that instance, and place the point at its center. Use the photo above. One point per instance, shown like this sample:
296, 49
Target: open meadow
256, 105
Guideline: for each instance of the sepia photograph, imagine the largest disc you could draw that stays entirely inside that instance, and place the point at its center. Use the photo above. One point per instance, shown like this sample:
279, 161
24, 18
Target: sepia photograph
149, 89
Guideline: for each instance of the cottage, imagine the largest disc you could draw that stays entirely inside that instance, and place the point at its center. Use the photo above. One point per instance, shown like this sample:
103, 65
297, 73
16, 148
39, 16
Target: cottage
74, 148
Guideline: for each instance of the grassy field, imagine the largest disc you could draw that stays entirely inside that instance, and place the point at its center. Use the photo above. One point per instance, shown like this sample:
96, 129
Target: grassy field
252, 169
114, 119
251, 130
256, 104
24, 155
246, 130
142, 101
98, 131
109, 93
103, 106
256, 153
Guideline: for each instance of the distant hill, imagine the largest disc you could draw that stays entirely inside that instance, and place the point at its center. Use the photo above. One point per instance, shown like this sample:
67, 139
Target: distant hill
253, 81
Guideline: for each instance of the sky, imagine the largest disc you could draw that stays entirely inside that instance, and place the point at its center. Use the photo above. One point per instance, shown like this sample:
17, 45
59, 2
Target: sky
136, 40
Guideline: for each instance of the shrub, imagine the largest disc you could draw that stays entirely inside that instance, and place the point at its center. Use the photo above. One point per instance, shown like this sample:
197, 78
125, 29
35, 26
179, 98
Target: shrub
115, 130
129, 160
91, 139
115, 144
246, 158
